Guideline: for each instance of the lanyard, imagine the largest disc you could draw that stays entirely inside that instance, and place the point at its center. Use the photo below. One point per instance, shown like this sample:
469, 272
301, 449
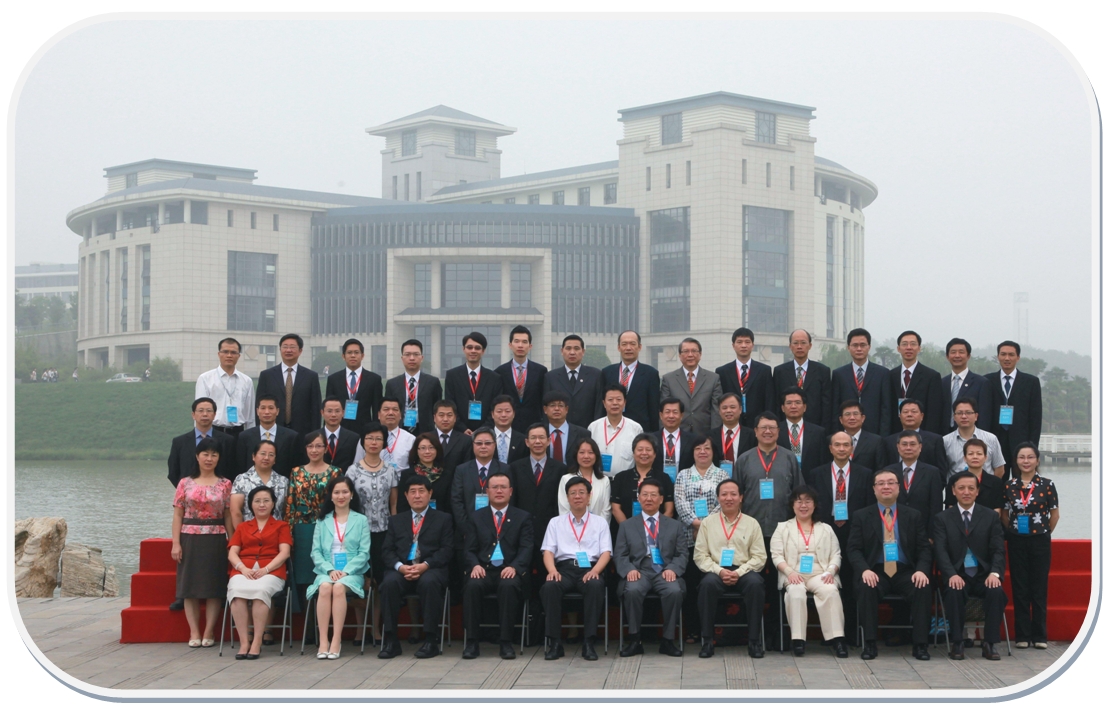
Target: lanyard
351, 393
390, 449
799, 381
498, 526
892, 528
410, 394
767, 467
483, 480
235, 388
845, 479
648, 531
339, 535
743, 382
860, 384
671, 454
332, 448
726, 445
625, 379
416, 528
1024, 500
571, 523
478, 377
795, 441
806, 539
722, 521
606, 426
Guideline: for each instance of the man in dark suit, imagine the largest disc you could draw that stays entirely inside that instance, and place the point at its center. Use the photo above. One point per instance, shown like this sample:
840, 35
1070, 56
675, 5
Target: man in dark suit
563, 435
416, 551
698, 389
498, 555
812, 377
581, 385
733, 438
535, 481
677, 446
969, 548
183, 448
641, 381
523, 379
912, 379
472, 386
920, 483
357, 388
1015, 397
865, 382
911, 418
454, 442
868, 448
290, 450
416, 390
341, 444
889, 550
963, 383
296, 388
509, 443
470, 479
751, 380
806, 440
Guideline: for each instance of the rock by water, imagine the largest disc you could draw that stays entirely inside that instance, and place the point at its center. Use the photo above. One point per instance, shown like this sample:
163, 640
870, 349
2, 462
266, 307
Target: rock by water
38, 548
84, 573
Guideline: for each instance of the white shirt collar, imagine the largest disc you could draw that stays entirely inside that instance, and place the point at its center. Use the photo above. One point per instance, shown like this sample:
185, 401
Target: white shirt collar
493, 509
500, 433
273, 430
693, 372
739, 363
417, 375
487, 465
541, 462
441, 434
1012, 374
961, 374
864, 367
805, 365
285, 368
903, 466
569, 369
335, 432
675, 432
521, 365
353, 372
963, 509
423, 512
394, 432
844, 468
908, 368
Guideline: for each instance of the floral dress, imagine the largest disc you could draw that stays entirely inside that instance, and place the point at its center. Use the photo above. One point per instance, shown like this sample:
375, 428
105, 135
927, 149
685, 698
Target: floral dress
305, 494
249, 480
203, 502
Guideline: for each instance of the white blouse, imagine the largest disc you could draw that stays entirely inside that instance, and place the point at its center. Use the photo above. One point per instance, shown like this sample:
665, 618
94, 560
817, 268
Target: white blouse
600, 496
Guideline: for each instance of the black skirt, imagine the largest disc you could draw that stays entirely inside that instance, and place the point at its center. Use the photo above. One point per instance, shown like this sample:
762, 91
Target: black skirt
203, 569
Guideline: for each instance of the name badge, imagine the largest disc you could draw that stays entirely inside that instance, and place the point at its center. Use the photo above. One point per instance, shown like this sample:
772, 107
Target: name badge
743, 408
891, 553
474, 410
636, 508
841, 511
413, 551
899, 402
657, 558
766, 488
432, 503
351, 409
607, 460
799, 459
727, 559
582, 560
340, 561
1023, 523
481, 500
701, 508
728, 467
806, 563
1006, 414
970, 559
670, 470
232, 413
497, 554
410, 418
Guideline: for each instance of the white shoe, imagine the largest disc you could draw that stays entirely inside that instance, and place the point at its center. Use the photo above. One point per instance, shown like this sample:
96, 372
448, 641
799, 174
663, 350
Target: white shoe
322, 656
333, 656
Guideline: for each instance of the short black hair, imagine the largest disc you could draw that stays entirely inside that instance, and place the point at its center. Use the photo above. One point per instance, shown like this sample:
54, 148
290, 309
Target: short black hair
272, 399
615, 387
390, 399
450, 405
804, 490
671, 401
412, 480
477, 338
227, 340
912, 401
793, 391
521, 329
765, 415
735, 483
974, 442
351, 342
909, 332
484, 431
206, 445
959, 342
376, 427
257, 490
961, 476
729, 394
651, 482
700, 437
203, 399
629, 331
259, 445
300, 341
909, 434
534, 426
499, 400
324, 401
742, 331
413, 342
553, 397
574, 337
847, 404
577, 480
690, 340
509, 479
1024, 445
854, 333
967, 401
645, 437
1002, 344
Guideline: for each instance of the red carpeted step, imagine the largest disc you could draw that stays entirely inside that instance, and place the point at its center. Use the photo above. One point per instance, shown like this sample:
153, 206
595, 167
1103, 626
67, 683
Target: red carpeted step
153, 588
1069, 589
155, 624
154, 555
1071, 555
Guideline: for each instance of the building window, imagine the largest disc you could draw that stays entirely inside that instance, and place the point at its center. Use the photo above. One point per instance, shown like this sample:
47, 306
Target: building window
199, 212
671, 128
834, 191
744, 171
768, 175
521, 285
585, 196
131, 180
123, 289
395, 188
145, 285
791, 177
451, 354
269, 354
535, 199
765, 244
409, 142
766, 127
422, 285
406, 186
854, 200
847, 289
688, 173
610, 193
830, 276
667, 175
253, 221
510, 201
557, 197
231, 218
670, 269
378, 358
648, 178
418, 185
252, 291
465, 142
275, 222
472, 285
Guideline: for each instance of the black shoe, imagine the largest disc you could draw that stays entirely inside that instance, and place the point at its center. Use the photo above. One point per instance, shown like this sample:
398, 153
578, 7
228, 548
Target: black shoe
968, 642
177, 605
255, 656
669, 648
869, 651
553, 650
840, 648
241, 656
756, 650
633, 647
506, 650
471, 651
920, 652
707, 650
799, 648
988, 651
957, 651
428, 649
588, 652
391, 648
268, 639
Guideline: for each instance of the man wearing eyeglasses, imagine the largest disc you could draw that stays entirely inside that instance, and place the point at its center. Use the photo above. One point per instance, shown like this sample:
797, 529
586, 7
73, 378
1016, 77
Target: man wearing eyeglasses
232, 390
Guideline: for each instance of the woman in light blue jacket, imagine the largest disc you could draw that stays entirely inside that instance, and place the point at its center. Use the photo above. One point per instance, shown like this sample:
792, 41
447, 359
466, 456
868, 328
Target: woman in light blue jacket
341, 555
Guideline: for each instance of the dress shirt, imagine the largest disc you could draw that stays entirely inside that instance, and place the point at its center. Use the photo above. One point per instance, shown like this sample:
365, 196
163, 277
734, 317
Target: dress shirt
416, 386
691, 486
903, 466
272, 433
440, 436
805, 366
620, 446
1003, 383
197, 435
563, 430
788, 429
568, 369
901, 558
398, 445
664, 445
632, 372
422, 513
954, 444
834, 478
329, 433
863, 366
906, 368
562, 542
599, 504
292, 375
747, 542
236, 389
688, 374
961, 376
853, 439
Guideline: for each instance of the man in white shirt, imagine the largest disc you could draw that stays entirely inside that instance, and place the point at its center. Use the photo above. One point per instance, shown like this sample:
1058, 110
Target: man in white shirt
965, 415
233, 391
614, 433
398, 441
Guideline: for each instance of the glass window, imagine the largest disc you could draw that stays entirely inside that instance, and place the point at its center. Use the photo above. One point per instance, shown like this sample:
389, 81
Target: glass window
123, 289
422, 285
473, 285
557, 197
231, 218
275, 222
766, 127
510, 201
145, 283
648, 178
791, 177
610, 193
671, 128
535, 199
521, 285
254, 221
406, 186
667, 175
452, 346
252, 291
199, 212
585, 196
409, 142
688, 173
131, 180
465, 142
765, 246
418, 185
670, 269
378, 358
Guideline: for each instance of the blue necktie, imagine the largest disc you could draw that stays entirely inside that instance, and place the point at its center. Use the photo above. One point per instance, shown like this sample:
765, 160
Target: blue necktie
652, 542
351, 382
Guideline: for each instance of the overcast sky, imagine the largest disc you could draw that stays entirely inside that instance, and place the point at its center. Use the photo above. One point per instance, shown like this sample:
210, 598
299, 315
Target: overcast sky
977, 133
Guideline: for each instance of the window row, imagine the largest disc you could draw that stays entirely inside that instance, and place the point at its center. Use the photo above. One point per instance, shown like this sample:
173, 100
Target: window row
475, 233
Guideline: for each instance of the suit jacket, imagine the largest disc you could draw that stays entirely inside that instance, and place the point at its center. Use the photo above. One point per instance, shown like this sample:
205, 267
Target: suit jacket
458, 450
346, 446
875, 397
1026, 398
183, 455
985, 539
816, 384
436, 540
871, 452
527, 408
926, 488
465, 485
428, 393
631, 550
700, 409
686, 453
973, 386
760, 395
925, 387
517, 449
540, 500
859, 494
368, 394
517, 539
642, 393
576, 435
815, 450
584, 399
934, 450
305, 413
866, 538
744, 440
457, 388
288, 445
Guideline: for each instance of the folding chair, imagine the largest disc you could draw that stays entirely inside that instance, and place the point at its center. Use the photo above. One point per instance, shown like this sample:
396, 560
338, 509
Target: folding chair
311, 612
229, 622
622, 624
736, 596
524, 625
445, 621
575, 596
783, 616
975, 623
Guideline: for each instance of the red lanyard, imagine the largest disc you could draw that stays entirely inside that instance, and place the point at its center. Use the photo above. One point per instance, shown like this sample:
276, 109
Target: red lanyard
1024, 500
627, 375
410, 395
650, 531
722, 521
767, 467
571, 523
799, 381
351, 393
894, 515
670, 454
416, 528
727, 445
391, 448
606, 425
498, 526
478, 377
860, 384
519, 376
742, 382
806, 539
332, 448
338, 534
796, 440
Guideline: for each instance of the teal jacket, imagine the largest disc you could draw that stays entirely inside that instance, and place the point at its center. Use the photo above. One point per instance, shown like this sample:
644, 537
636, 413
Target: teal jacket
357, 544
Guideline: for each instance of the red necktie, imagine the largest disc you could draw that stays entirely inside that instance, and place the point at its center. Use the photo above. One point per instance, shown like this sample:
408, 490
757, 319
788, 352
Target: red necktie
557, 446
691, 383
907, 380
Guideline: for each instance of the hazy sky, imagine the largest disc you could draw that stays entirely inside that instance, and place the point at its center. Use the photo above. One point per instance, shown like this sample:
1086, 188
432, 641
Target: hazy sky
977, 133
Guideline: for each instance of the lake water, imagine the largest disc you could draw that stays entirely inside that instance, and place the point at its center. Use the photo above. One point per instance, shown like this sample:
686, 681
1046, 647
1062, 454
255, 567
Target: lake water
115, 505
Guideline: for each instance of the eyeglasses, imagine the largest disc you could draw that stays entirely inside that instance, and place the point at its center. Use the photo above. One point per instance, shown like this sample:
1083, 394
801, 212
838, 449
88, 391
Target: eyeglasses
959, 413
768, 428
223, 352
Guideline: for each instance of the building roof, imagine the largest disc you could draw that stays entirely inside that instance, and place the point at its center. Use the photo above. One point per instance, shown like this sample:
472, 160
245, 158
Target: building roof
158, 163
444, 114
529, 177
250, 189
718, 97
40, 268
827, 162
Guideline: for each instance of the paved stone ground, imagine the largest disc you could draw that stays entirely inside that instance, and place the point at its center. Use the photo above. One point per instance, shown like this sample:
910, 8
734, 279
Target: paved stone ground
81, 636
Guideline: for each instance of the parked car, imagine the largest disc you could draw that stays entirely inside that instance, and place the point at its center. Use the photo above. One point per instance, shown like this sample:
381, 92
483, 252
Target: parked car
124, 378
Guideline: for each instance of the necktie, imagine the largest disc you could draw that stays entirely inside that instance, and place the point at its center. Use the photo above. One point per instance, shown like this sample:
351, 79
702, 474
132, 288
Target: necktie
444, 439
289, 392
537, 471
351, 382
474, 382
671, 446
332, 446
955, 386
970, 571
840, 487
907, 478
799, 376
860, 379
503, 448
200, 437
417, 528
483, 476
497, 549
691, 382
625, 377
520, 382
907, 379
573, 376
795, 438
744, 372
889, 536
855, 442
267, 435
728, 454
657, 568
1007, 386
557, 446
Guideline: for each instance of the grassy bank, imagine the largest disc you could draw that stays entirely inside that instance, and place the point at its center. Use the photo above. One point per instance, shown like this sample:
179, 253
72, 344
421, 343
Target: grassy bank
99, 421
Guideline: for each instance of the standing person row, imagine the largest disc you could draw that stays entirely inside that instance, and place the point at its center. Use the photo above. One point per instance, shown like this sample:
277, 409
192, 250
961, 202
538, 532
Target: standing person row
296, 388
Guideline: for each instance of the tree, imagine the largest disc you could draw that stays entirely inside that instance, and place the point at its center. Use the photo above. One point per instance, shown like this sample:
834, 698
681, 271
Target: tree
595, 357
333, 359
165, 369
56, 309
26, 360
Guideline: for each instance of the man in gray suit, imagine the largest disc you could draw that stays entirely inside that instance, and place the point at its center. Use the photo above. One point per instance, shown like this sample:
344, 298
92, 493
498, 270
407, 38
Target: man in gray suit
698, 389
649, 557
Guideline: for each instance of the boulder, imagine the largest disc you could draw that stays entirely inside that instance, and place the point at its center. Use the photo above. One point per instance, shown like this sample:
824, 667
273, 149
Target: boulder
38, 546
84, 573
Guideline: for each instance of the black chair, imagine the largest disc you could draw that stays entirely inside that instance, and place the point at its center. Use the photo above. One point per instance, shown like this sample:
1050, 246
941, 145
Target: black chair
622, 624
890, 599
524, 625
575, 596
736, 596
940, 606
311, 611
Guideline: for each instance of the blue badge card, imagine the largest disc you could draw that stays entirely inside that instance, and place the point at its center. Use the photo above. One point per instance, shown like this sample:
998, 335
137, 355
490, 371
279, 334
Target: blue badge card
432, 503
410, 418
970, 559
841, 511
727, 558
481, 501
899, 402
1006, 413
497, 555
1023, 524
701, 508
766, 489
670, 470
891, 553
799, 459
806, 563
728, 467
582, 560
233, 414
475, 410
657, 558
636, 508
340, 561
743, 408
413, 551
607, 461
351, 409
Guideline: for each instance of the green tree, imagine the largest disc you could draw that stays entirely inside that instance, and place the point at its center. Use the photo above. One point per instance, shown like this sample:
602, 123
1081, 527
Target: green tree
596, 357
165, 369
56, 310
886, 356
333, 359
26, 360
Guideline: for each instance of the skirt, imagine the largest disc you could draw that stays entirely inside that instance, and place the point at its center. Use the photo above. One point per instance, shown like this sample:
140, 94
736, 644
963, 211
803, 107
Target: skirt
261, 589
203, 569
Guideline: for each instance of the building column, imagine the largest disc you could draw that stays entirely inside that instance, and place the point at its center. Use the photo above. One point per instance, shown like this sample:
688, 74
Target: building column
119, 220
435, 275
505, 284
162, 212
435, 346
187, 211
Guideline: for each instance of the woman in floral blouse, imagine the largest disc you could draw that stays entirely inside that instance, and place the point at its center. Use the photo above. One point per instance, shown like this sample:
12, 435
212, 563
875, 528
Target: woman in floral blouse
1030, 514
261, 474
304, 497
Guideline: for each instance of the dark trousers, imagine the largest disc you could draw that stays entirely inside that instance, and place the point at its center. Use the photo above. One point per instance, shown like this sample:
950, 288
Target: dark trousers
633, 595
1029, 565
868, 601
751, 586
954, 600
429, 589
772, 592
571, 580
692, 577
509, 591
850, 579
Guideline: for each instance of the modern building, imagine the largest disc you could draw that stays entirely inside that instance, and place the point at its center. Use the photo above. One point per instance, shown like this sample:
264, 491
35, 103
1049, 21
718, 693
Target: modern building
716, 214
46, 280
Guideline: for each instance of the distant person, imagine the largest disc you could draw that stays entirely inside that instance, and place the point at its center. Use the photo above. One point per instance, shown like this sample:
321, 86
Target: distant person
963, 383
867, 448
697, 389
523, 379
676, 448
1015, 411
509, 443
415, 390
912, 379
749, 379
359, 389
34, 376
812, 377
75, 375
147, 375
260, 474
296, 388
326, 371
641, 381
580, 385
231, 389
863, 381
471, 385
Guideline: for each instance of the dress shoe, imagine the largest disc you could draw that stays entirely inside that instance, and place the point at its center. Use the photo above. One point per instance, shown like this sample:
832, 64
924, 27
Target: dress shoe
241, 656
968, 642
669, 648
799, 648
588, 652
920, 652
1021, 645
632, 647
177, 605
553, 649
506, 650
756, 650
869, 651
391, 648
957, 651
707, 650
840, 648
429, 649
1040, 645
255, 656
988, 651
471, 651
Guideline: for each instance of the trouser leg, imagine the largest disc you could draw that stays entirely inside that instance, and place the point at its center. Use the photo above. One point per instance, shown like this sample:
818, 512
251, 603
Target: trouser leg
752, 586
1039, 581
671, 603
692, 577
953, 600
509, 606
795, 609
633, 601
473, 592
431, 589
919, 603
868, 601
594, 591
828, 603
552, 598
393, 590
995, 599
711, 589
